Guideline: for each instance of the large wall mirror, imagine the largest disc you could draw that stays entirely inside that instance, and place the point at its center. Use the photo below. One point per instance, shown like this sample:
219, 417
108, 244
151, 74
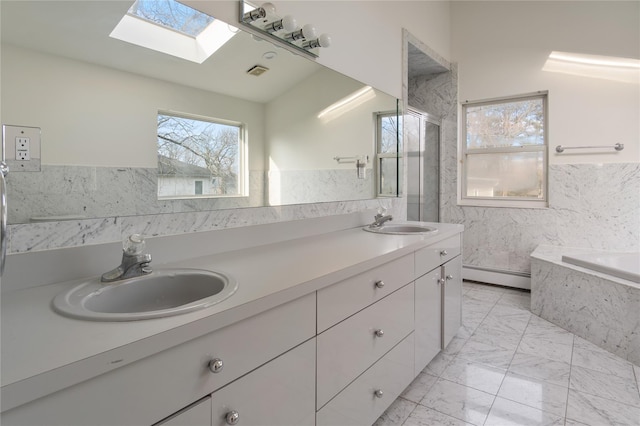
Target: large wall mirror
122, 126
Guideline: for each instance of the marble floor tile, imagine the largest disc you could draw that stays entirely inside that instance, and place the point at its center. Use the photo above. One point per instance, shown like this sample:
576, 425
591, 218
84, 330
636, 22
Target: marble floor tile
397, 413
507, 413
535, 393
483, 353
593, 410
556, 372
423, 416
419, 387
488, 296
588, 355
505, 339
456, 343
521, 301
461, 402
604, 385
478, 376
547, 346
510, 413
438, 364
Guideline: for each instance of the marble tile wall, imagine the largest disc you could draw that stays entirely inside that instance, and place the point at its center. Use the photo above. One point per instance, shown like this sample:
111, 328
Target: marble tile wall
304, 186
89, 191
601, 310
590, 205
71, 233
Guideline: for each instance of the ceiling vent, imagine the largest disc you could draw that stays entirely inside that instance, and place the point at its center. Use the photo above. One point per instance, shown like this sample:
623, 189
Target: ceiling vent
257, 70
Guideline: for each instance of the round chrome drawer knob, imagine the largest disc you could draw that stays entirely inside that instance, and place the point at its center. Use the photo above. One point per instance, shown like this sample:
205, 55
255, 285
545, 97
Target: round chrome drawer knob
232, 417
379, 284
379, 332
216, 365
443, 253
378, 393
449, 277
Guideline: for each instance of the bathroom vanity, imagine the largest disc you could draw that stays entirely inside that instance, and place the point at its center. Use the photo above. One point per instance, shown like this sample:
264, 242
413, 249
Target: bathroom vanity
323, 330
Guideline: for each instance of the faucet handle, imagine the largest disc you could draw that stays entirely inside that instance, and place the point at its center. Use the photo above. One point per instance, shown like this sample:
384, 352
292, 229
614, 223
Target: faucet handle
133, 245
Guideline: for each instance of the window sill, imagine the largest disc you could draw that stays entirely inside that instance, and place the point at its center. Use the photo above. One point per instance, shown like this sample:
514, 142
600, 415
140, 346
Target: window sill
513, 204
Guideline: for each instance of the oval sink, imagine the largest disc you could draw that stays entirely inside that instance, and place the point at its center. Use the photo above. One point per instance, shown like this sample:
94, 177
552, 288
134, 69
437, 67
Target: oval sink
160, 294
402, 228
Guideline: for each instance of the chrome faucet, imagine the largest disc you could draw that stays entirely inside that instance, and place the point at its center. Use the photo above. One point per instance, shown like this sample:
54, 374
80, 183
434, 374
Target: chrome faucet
380, 219
134, 262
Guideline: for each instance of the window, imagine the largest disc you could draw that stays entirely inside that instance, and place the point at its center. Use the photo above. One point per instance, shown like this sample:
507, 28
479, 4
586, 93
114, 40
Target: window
388, 145
504, 154
200, 157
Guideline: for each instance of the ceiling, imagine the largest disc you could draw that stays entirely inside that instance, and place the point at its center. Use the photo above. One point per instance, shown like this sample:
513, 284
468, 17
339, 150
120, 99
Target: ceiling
80, 30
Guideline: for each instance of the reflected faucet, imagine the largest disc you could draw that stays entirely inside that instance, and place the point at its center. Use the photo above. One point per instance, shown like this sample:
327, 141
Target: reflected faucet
134, 262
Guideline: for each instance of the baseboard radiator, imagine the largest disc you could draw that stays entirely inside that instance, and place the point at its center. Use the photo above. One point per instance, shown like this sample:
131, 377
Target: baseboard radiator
497, 276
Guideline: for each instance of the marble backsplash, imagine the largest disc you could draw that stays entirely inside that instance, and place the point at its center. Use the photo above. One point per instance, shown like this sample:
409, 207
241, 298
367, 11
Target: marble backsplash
31, 237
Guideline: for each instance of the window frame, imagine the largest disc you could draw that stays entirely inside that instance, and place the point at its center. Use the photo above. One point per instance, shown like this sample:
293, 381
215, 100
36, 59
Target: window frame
243, 155
378, 116
464, 152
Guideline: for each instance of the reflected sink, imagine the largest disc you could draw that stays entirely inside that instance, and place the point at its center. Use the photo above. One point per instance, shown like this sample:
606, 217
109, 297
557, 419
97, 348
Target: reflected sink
403, 228
160, 294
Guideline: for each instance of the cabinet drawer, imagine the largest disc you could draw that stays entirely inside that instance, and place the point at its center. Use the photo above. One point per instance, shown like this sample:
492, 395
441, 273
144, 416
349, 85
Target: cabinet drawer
350, 347
435, 255
198, 414
279, 393
149, 390
357, 404
347, 297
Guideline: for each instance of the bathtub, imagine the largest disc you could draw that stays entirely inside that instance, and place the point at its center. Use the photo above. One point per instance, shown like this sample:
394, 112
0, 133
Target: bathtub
621, 265
594, 295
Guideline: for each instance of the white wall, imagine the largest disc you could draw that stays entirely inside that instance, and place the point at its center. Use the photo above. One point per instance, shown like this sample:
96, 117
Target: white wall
367, 35
501, 48
97, 116
298, 140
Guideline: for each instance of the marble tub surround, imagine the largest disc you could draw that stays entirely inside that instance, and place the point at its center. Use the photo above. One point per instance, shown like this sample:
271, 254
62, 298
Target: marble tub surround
547, 375
600, 308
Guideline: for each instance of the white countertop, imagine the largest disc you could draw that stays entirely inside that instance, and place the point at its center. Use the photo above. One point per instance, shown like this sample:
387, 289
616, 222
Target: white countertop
43, 352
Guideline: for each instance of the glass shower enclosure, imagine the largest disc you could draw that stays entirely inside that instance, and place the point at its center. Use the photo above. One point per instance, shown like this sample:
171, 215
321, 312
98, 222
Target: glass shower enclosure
422, 139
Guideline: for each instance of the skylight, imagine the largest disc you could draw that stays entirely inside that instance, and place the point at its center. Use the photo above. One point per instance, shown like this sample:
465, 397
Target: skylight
175, 29
171, 14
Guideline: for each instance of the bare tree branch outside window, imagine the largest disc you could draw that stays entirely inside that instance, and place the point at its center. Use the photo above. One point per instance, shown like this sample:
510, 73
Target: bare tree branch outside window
190, 149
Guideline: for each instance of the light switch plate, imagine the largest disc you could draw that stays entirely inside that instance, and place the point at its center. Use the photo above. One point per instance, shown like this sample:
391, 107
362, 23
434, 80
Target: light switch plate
12, 138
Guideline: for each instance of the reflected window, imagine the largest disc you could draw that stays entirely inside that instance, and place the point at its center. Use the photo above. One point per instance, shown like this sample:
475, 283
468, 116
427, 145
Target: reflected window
388, 145
200, 157
504, 154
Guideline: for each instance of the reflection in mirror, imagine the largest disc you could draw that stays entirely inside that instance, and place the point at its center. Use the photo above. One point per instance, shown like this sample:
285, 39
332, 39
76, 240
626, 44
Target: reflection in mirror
98, 101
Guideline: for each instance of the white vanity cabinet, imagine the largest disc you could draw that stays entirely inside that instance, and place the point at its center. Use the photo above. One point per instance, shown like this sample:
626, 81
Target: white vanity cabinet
149, 390
338, 354
438, 300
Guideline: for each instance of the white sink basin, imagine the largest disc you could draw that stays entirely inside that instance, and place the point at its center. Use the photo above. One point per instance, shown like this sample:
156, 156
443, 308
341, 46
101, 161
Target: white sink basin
160, 294
403, 228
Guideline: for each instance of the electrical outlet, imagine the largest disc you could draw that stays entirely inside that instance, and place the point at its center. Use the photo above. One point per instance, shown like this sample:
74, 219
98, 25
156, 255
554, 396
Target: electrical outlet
23, 153
21, 148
